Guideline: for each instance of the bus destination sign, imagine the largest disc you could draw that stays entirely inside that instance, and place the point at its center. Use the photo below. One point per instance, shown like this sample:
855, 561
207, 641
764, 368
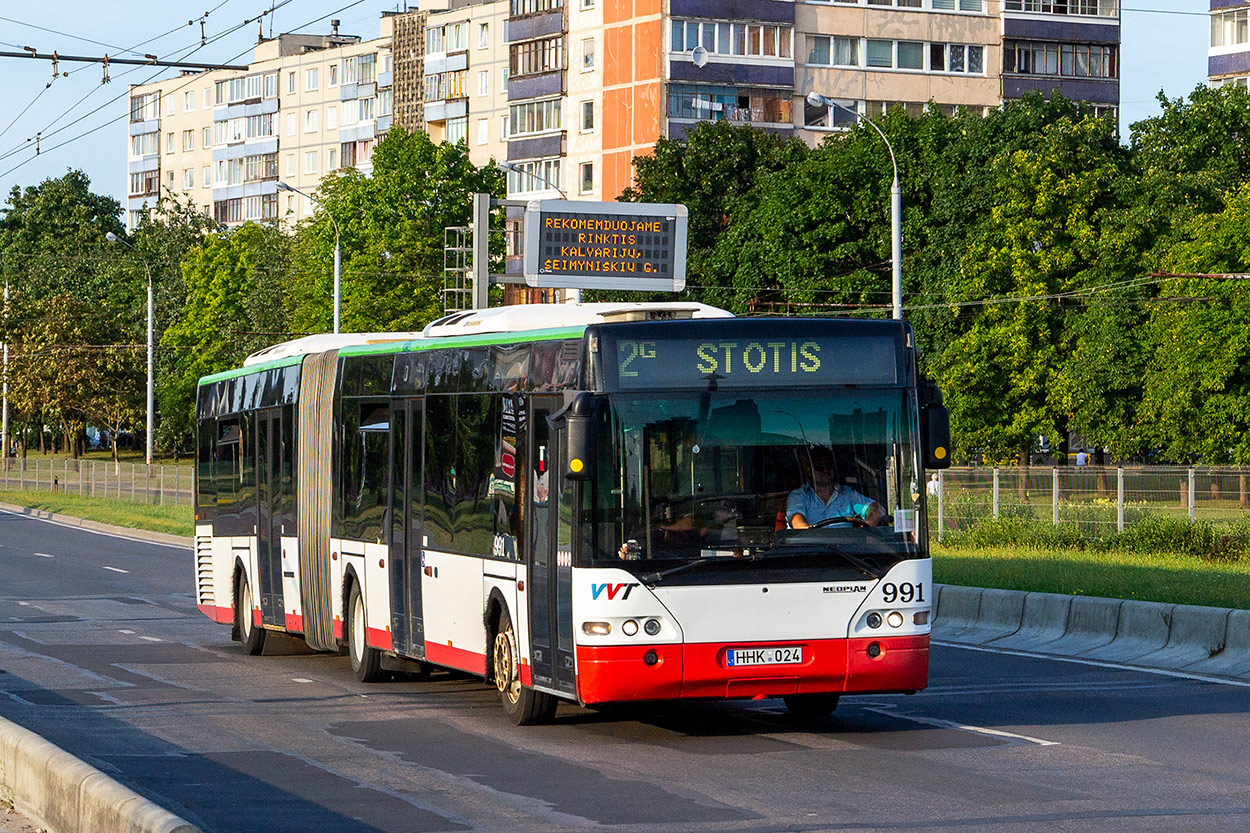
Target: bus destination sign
605, 245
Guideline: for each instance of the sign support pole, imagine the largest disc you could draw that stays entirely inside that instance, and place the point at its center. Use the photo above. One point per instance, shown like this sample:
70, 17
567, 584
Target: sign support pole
481, 251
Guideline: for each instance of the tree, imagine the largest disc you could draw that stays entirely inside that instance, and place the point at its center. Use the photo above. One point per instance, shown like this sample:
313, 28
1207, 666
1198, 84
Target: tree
391, 226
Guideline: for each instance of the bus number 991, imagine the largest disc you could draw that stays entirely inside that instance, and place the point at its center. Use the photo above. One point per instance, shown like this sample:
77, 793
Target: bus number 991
906, 592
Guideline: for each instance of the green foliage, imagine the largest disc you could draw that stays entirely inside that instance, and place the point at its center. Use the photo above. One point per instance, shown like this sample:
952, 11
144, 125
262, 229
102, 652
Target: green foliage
1159, 533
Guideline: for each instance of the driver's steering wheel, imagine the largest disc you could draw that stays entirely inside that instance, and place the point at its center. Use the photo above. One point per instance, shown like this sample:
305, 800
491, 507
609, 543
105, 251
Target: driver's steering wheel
854, 520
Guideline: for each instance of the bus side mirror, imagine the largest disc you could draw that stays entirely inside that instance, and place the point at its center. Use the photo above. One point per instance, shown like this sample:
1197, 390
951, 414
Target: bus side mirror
580, 420
936, 436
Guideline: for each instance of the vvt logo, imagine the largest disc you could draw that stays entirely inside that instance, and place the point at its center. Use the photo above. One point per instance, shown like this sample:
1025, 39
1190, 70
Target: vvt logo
597, 590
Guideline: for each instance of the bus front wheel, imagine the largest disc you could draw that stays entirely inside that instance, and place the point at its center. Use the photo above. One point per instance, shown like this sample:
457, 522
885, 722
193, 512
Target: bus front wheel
523, 705
366, 661
252, 636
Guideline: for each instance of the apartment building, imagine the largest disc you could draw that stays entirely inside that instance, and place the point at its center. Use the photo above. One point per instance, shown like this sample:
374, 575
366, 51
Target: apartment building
1228, 58
307, 105
566, 93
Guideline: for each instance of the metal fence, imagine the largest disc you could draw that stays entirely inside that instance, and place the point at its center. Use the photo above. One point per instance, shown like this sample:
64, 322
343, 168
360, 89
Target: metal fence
1099, 500
164, 485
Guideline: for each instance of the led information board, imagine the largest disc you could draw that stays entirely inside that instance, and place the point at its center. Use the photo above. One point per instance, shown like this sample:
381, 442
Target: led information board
605, 245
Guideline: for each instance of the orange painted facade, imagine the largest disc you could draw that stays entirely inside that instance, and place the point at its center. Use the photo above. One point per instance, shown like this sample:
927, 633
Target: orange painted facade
633, 108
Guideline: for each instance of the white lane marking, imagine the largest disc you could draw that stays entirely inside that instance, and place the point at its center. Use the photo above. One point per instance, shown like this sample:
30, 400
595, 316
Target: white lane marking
152, 638
1119, 666
300, 680
125, 631
24, 604
963, 727
44, 555
116, 569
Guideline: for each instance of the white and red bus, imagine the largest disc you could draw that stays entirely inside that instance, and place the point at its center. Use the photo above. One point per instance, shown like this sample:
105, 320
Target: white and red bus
580, 502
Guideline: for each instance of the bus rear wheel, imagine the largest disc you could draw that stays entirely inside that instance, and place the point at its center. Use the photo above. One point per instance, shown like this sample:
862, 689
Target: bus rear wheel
523, 705
811, 706
252, 636
366, 661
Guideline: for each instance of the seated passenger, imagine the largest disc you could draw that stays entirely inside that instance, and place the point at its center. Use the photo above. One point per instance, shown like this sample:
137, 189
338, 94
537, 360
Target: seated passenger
825, 498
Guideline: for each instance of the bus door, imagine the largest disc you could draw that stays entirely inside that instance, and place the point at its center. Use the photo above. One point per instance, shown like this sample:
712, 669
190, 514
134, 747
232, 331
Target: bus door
550, 554
269, 516
406, 531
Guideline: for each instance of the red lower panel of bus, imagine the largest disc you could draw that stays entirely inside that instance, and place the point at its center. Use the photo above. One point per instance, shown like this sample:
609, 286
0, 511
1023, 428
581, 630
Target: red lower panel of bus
451, 657
221, 615
620, 672
375, 638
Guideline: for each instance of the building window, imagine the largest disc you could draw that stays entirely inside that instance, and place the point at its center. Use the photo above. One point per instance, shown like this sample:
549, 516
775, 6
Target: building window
724, 38
384, 102
169, 143
311, 120
588, 54
290, 83
503, 129
483, 131
524, 7
271, 85
367, 108
433, 39
530, 57
206, 137
483, 82
588, 4
532, 117
1063, 59
188, 101
310, 162
332, 159
332, 118
188, 140
290, 164
349, 70
1101, 8
587, 178
483, 35
206, 176
145, 144
1230, 28
820, 115
588, 116
458, 130
880, 53
188, 179
332, 75
367, 68
310, 79
290, 124
446, 85
527, 177
735, 104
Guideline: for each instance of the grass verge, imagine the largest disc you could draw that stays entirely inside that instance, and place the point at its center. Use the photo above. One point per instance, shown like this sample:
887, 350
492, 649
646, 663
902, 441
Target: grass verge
174, 520
1155, 577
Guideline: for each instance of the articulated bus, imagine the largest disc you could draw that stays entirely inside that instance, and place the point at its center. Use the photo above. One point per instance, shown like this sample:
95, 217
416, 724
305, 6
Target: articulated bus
580, 502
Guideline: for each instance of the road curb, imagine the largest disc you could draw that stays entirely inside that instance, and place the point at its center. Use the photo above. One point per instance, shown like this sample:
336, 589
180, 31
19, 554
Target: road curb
96, 526
1201, 640
68, 795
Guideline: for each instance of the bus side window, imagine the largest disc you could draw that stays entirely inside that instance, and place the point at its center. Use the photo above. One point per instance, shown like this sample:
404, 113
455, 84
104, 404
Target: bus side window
440, 441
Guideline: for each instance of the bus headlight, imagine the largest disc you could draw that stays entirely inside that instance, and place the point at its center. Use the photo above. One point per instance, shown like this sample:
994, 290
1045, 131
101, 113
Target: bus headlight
651, 626
873, 620
629, 627
895, 619
596, 628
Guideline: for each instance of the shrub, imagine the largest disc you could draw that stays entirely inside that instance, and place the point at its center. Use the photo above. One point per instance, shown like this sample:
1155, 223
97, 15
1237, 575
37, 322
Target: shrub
991, 532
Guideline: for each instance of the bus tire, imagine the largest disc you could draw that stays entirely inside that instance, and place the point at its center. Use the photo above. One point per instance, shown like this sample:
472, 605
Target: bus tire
523, 705
811, 706
251, 635
366, 661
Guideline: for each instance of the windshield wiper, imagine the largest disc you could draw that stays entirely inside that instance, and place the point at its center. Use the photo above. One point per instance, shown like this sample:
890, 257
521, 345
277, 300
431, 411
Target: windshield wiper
652, 579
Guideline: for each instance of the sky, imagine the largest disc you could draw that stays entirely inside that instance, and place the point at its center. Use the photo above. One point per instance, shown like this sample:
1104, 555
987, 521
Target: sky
80, 122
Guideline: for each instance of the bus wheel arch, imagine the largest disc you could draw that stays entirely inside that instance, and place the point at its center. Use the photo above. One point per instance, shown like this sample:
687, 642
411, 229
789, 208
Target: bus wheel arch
245, 629
366, 661
523, 705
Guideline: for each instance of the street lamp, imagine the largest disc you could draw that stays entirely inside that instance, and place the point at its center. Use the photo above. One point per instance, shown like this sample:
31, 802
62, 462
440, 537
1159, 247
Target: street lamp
896, 204
113, 238
282, 186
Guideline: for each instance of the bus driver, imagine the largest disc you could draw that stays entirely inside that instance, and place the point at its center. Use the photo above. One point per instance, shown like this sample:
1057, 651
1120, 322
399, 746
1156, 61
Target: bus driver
825, 498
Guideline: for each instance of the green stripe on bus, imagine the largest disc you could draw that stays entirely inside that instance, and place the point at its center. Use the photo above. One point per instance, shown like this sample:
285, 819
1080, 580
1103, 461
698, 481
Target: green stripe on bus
247, 371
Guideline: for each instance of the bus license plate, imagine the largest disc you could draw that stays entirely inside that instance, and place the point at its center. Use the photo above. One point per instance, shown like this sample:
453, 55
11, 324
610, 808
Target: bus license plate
764, 656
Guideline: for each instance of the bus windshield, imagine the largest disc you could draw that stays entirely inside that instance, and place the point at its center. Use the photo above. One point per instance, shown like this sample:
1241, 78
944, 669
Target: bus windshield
720, 476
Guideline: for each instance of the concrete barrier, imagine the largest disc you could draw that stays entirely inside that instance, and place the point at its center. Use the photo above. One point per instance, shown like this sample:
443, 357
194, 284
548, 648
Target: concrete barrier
1234, 660
1092, 623
1045, 620
1195, 634
956, 610
1142, 628
67, 795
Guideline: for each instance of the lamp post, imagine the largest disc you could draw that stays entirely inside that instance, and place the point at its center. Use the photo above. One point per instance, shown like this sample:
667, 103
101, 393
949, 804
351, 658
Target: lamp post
4, 418
282, 186
113, 238
896, 205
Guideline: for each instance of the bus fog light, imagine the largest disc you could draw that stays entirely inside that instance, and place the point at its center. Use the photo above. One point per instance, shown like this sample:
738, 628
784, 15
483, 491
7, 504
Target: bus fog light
651, 658
895, 619
629, 627
874, 650
873, 620
596, 628
920, 617
651, 626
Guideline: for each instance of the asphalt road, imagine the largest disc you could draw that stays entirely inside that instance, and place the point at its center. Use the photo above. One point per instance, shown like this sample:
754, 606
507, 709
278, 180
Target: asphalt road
103, 652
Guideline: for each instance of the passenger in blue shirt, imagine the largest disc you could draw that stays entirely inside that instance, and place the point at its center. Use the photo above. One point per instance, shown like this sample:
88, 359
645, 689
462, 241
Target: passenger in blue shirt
825, 498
